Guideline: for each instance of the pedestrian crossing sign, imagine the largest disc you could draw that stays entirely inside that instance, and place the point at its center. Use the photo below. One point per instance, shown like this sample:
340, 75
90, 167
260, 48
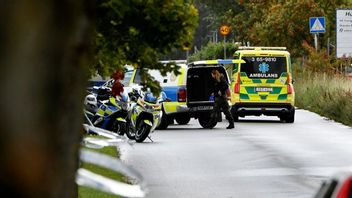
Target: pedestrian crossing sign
317, 24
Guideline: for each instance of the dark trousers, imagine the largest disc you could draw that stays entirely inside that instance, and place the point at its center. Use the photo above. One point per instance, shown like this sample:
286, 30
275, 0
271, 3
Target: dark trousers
221, 104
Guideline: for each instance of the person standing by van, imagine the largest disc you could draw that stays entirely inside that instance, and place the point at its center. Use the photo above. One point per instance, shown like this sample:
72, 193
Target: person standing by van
220, 98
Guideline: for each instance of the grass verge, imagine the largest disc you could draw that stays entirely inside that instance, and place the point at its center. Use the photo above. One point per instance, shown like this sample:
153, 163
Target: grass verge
84, 192
327, 95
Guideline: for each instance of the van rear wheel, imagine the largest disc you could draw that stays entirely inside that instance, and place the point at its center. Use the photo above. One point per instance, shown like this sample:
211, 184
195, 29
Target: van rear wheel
206, 122
182, 119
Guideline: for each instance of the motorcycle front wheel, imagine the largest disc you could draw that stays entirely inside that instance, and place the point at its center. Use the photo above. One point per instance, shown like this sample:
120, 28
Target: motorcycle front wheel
142, 132
130, 132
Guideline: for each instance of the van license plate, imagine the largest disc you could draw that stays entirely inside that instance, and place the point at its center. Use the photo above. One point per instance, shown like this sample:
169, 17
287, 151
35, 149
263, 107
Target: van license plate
203, 108
263, 89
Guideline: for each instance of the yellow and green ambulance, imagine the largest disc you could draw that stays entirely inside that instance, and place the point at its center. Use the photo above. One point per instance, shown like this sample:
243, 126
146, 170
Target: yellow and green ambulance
262, 83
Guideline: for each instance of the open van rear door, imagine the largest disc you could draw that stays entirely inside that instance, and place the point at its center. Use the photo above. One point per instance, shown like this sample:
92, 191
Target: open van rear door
200, 84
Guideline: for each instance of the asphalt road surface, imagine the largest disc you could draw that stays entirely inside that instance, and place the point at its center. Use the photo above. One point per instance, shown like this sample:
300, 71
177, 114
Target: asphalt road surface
261, 157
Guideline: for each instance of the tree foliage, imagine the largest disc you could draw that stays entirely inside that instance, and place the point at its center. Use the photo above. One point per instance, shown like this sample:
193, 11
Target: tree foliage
286, 25
278, 22
214, 51
138, 32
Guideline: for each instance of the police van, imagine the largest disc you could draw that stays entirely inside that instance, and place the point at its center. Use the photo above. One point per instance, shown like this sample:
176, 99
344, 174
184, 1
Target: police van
262, 83
200, 86
174, 87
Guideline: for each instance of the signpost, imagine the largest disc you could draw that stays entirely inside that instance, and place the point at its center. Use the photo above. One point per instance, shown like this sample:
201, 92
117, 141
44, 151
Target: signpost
316, 26
343, 33
224, 31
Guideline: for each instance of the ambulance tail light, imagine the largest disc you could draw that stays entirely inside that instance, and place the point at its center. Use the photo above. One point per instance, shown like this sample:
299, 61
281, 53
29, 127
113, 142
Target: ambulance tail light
181, 95
237, 85
289, 85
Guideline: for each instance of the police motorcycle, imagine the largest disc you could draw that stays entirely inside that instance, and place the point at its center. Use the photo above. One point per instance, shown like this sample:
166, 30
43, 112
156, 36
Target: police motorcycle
145, 114
93, 100
111, 114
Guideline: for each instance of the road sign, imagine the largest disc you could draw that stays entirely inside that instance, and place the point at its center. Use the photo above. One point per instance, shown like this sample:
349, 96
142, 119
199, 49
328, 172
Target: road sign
317, 24
225, 30
343, 33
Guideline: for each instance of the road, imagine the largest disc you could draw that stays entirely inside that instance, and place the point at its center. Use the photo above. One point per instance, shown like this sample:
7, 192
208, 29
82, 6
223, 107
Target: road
261, 157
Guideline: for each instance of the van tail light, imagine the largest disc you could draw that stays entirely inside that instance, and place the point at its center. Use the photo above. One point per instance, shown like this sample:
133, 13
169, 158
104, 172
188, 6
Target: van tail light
289, 88
228, 93
288, 79
237, 85
181, 95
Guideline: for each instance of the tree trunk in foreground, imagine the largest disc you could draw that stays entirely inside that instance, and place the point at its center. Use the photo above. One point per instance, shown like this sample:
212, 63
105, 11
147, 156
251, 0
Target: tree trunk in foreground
43, 58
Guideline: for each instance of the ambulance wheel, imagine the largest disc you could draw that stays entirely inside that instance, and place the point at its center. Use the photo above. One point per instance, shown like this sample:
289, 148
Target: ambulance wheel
205, 122
289, 118
182, 119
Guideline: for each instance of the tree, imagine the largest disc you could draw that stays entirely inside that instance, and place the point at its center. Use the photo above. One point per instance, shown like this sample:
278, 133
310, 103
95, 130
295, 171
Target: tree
277, 22
212, 15
43, 57
213, 51
285, 23
139, 32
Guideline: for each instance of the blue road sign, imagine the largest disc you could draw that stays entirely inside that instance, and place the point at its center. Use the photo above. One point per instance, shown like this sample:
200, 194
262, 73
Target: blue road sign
317, 24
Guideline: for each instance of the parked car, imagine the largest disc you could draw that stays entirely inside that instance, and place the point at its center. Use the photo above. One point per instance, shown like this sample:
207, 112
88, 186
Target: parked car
337, 186
97, 87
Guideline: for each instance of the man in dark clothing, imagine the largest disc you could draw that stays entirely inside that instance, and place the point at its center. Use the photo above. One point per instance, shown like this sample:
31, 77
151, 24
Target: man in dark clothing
220, 98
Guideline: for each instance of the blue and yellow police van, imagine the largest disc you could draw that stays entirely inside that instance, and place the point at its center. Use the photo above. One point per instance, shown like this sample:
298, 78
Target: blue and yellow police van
174, 86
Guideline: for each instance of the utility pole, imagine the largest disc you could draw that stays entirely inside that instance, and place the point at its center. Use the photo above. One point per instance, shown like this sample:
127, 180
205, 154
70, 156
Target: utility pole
224, 47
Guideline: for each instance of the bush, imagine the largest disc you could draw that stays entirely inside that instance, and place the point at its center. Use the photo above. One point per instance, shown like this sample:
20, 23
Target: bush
326, 94
213, 51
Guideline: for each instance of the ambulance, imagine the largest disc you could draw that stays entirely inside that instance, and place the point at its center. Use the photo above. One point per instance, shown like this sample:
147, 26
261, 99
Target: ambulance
262, 83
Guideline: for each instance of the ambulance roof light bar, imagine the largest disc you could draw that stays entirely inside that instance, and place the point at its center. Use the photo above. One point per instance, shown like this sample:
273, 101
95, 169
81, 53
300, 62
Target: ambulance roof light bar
261, 48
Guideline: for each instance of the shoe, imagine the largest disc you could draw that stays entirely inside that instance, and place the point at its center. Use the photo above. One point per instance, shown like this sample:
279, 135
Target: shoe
231, 126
